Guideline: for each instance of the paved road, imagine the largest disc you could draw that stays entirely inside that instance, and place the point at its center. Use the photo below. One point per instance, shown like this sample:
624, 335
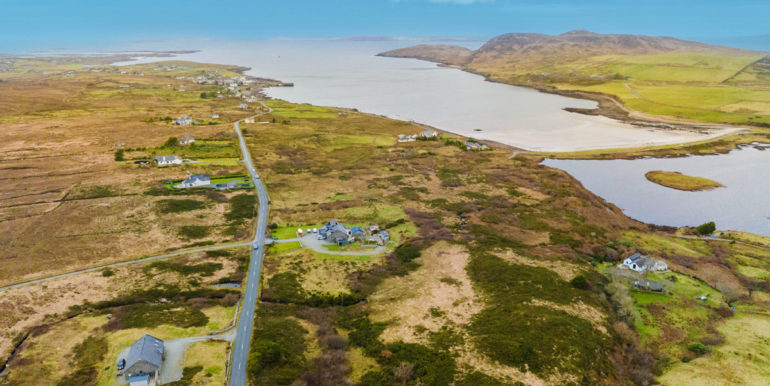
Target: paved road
240, 352
127, 262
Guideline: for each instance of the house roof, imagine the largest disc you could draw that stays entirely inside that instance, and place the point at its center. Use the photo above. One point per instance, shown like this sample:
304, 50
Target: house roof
634, 257
428, 133
198, 177
356, 229
187, 137
148, 348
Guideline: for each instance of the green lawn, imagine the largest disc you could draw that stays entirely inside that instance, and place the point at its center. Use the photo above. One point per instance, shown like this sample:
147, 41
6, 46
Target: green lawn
277, 248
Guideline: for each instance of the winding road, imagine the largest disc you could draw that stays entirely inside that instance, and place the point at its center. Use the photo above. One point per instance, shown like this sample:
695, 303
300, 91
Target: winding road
240, 352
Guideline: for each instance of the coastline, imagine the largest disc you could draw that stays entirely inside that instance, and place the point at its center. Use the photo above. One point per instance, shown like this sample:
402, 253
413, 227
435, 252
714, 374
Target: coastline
610, 107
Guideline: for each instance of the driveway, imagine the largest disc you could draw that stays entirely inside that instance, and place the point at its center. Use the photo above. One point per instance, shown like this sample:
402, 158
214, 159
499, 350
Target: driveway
311, 241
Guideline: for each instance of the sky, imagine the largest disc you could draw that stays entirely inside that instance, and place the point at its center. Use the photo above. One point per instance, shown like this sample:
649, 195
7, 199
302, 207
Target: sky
28, 25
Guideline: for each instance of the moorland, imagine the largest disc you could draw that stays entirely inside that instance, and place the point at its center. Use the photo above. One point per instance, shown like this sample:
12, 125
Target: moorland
499, 270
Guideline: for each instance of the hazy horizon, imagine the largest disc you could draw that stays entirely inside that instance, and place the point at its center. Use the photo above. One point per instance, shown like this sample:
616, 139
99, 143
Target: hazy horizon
92, 25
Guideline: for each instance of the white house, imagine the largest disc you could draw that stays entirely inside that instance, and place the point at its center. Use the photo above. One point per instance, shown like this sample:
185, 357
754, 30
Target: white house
407, 137
640, 263
243, 106
168, 160
195, 181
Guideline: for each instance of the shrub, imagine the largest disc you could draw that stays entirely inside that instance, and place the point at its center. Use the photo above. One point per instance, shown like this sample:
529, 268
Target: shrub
242, 207
119, 155
171, 142
407, 252
194, 231
176, 206
686, 359
698, 348
706, 228
579, 282
108, 272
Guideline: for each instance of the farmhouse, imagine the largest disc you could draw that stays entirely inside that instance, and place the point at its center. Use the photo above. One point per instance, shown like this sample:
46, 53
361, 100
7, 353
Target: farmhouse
195, 181
168, 160
334, 232
145, 357
249, 120
243, 106
184, 120
186, 139
640, 263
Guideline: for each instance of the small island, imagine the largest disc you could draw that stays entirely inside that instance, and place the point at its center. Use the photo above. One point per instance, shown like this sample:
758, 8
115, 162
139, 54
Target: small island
679, 181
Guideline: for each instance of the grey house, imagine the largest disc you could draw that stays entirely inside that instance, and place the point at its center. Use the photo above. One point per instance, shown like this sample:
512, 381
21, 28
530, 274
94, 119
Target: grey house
334, 232
145, 357
186, 139
184, 120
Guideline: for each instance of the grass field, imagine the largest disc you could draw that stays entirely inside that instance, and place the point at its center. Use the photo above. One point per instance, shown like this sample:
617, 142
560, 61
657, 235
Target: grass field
679, 181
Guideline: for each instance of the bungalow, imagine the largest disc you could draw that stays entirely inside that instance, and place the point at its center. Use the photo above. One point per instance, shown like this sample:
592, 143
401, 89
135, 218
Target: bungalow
184, 120
186, 139
374, 229
243, 106
249, 120
640, 263
195, 181
472, 145
145, 357
168, 160
214, 116
429, 134
407, 137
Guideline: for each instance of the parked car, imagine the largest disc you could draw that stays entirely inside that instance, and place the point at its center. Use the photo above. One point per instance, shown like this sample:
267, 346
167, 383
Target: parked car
321, 237
121, 364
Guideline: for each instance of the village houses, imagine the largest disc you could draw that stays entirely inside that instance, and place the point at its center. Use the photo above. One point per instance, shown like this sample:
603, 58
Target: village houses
186, 140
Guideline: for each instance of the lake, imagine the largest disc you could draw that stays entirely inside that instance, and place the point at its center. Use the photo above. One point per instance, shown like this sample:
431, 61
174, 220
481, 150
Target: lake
348, 74
743, 204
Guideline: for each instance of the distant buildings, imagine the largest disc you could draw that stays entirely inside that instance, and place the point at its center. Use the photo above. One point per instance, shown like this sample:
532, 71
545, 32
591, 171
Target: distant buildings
337, 233
145, 358
249, 120
162, 160
243, 106
186, 139
214, 116
407, 137
648, 285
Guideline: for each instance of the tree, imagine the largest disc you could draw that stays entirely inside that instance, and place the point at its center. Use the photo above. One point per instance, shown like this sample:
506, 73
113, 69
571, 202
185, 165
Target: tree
119, 155
171, 142
579, 282
204, 95
707, 228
